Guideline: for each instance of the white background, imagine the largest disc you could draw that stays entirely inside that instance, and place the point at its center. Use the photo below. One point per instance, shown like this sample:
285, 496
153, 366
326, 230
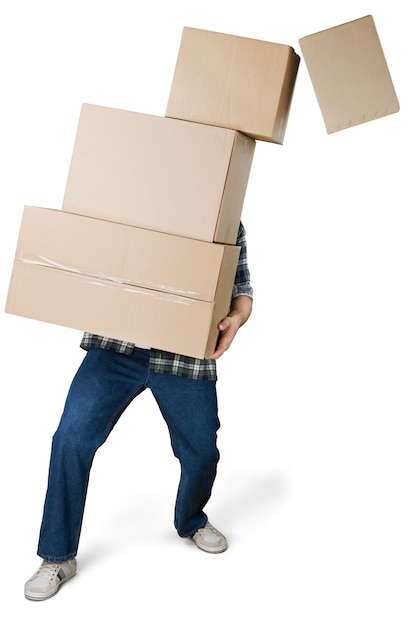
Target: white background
314, 489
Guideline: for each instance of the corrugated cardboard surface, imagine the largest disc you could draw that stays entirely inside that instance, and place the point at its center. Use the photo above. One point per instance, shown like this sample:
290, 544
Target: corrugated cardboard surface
124, 254
349, 74
234, 82
157, 173
142, 316
120, 281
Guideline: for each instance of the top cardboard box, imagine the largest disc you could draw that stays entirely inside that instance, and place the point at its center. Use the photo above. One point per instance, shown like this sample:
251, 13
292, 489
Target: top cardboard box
349, 74
234, 82
162, 174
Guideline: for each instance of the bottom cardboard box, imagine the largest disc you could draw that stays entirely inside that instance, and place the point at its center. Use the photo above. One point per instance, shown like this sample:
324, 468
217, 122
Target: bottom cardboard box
143, 316
146, 287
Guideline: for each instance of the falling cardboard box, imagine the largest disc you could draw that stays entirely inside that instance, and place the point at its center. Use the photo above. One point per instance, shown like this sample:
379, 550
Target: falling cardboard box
349, 74
234, 82
159, 290
162, 174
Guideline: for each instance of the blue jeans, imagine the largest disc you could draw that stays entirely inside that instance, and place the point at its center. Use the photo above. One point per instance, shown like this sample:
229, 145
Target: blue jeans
102, 388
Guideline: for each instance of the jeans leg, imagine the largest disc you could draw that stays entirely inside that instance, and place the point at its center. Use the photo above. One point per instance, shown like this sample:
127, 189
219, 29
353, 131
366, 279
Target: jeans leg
190, 410
104, 385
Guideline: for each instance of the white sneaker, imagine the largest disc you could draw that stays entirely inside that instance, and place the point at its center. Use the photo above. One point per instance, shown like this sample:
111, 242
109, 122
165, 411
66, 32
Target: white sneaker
46, 581
210, 539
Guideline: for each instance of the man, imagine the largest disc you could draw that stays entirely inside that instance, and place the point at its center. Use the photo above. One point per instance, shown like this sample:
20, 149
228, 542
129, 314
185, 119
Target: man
111, 375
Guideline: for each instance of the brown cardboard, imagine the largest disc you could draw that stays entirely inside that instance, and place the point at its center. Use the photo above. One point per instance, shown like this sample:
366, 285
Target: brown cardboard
234, 82
157, 173
124, 254
150, 288
349, 74
142, 316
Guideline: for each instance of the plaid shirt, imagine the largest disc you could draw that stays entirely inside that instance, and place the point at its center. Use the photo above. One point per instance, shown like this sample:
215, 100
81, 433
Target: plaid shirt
167, 362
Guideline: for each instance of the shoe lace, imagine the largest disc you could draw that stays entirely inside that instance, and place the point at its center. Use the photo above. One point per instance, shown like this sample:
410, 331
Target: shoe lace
208, 526
48, 569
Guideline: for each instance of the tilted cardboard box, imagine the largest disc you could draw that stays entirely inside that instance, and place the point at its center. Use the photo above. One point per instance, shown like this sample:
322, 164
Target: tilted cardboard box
234, 82
150, 288
157, 173
349, 74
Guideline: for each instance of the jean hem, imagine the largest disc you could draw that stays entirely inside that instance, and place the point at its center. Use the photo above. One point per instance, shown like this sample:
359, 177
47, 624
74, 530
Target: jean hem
192, 532
53, 559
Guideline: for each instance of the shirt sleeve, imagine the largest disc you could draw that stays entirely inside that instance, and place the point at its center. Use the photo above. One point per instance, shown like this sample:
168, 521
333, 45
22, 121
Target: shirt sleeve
242, 285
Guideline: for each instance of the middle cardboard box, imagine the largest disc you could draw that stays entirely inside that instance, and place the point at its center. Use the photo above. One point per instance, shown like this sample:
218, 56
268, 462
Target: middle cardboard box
150, 288
158, 173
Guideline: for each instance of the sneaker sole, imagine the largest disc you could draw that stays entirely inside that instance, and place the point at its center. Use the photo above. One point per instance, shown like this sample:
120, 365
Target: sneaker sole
211, 550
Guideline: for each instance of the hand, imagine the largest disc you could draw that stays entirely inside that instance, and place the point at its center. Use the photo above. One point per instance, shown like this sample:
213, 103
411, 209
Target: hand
240, 311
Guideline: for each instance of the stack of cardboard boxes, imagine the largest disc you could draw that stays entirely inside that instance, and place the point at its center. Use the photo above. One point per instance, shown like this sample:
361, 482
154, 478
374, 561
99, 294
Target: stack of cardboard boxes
144, 247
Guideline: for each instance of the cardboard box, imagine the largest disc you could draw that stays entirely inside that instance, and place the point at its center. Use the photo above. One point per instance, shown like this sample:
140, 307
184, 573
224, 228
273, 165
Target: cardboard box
349, 74
157, 173
150, 288
234, 82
